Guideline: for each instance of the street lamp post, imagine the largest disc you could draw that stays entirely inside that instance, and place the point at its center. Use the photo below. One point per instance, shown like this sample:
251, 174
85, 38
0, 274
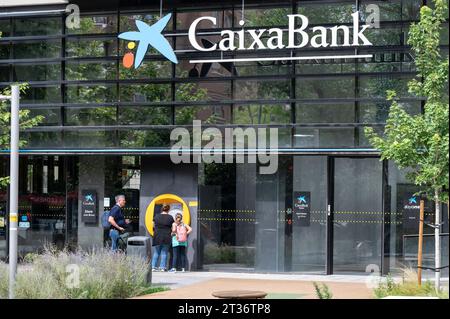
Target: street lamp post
14, 185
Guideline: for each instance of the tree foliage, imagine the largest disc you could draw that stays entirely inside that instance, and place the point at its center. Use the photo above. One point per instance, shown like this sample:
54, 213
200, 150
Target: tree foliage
421, 142
26, 121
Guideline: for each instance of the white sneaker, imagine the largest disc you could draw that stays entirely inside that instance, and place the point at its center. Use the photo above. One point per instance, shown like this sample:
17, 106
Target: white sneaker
183, 270
173, 270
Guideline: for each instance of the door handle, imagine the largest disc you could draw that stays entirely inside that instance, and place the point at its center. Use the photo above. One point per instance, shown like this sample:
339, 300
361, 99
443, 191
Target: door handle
329, 210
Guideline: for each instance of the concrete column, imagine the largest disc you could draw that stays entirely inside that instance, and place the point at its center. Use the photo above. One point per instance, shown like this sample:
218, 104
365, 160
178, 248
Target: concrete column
92, 177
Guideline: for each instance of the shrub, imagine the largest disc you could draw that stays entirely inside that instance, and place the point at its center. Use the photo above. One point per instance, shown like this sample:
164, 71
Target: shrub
409, 286
99, 274
3, 280
322, 292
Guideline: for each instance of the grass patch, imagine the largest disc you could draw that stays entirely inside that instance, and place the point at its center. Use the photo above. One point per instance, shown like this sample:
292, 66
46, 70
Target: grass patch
152, 290
407, 287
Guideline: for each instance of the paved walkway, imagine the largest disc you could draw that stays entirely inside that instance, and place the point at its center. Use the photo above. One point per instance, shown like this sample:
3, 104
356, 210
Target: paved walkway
200, 285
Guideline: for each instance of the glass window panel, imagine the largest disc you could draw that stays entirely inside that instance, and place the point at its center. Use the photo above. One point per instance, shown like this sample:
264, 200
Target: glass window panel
4, 73
90, 116
127, 21
264, 17
91, 47
262, 114
37, 26
326, 113
79, 71
145, 92
96, 25
325, 66
389, 11
203, 91
325, 88
184, 69
377, 112
90, 139
37, 72
262, 90
224, 19
4, 51
144, 115
42, 140
5, 28
51, 116
335, 137
98, 93
156, 138
263, 68
396, 10
38, 50
362, 138
320, 13
45, 94
148, 70
386, 36
376, 86
219, 114
388, 62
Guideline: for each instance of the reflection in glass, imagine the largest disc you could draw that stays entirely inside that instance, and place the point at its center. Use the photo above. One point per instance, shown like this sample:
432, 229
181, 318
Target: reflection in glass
263, 90
44, 94
358, 214
376, 86
220, 114
37, 26
37, 50
84, 48
325, 88
37, 72
99, 93
262, 114
96, 25
145, 93
144, 115
51, 116
78, 71
90, 116
326, 113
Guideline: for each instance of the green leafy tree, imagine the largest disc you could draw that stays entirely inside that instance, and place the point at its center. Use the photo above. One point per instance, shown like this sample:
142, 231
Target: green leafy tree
420, 143
25, 119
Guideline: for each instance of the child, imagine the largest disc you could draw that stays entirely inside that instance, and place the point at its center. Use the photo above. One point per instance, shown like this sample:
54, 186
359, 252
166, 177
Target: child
180, 232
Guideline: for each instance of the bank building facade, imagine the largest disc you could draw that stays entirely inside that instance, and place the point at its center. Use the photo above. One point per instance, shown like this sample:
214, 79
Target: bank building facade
119, 83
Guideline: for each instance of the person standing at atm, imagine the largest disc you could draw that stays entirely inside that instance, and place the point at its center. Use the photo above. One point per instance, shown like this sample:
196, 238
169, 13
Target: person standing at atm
162, 238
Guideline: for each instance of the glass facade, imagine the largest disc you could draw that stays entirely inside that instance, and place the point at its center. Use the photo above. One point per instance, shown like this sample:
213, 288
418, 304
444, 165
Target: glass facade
90, 102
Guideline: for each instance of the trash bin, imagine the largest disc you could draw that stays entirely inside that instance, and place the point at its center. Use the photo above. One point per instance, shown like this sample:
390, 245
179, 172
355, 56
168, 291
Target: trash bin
141, 246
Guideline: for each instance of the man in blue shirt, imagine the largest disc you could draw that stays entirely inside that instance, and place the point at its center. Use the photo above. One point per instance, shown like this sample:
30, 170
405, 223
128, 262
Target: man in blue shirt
117, 221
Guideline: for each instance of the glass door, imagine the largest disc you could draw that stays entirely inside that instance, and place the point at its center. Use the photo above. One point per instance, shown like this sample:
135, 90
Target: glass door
357, 214
309, 214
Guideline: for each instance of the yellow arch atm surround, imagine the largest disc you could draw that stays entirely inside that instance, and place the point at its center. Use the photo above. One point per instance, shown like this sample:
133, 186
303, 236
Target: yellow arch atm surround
165, 199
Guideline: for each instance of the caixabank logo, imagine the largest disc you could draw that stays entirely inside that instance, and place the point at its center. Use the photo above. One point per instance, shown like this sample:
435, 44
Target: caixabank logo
298, 35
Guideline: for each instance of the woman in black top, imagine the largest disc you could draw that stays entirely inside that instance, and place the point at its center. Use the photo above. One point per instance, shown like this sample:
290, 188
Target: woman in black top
162, 238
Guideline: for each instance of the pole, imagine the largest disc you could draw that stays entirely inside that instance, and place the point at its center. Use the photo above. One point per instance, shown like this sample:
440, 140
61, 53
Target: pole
14, 188
437, 246
419, 253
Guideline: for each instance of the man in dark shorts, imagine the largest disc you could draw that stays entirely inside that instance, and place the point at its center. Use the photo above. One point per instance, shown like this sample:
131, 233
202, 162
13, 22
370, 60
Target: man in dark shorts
162, 238
117, 221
